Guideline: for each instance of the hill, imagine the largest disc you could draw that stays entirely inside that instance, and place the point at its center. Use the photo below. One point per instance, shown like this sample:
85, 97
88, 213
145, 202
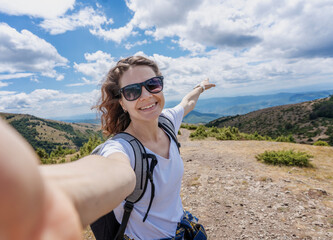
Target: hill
198, 117
227, 106
49, 134
307, 122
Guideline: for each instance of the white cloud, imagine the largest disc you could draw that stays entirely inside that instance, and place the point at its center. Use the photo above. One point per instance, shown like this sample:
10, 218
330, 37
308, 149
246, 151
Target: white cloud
23, 51
14, 76
97, 66
86, 17
138, 43
296, 28
3, 84
236, 74
116, 35
36, 8
42, 102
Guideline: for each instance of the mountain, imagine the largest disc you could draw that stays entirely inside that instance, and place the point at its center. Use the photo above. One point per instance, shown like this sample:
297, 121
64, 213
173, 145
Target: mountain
224, 106
48, 134
227, 106
197, 117
306, 122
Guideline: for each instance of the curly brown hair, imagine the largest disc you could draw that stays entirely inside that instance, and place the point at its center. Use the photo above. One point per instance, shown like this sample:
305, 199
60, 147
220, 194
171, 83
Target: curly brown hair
113, 118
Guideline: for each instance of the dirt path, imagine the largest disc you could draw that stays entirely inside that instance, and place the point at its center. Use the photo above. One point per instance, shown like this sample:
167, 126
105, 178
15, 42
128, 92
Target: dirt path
236, 197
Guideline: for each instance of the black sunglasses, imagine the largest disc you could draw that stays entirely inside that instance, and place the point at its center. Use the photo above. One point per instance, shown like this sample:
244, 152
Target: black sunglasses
133, 91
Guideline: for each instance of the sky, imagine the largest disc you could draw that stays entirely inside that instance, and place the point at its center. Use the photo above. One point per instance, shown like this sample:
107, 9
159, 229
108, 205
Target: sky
54, 54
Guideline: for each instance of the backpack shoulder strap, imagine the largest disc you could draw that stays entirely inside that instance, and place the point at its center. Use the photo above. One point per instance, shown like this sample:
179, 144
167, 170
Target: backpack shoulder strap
142, 171
168, 126
140, 166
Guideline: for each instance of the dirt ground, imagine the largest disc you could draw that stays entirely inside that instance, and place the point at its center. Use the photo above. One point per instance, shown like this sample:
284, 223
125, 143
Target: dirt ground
236, 197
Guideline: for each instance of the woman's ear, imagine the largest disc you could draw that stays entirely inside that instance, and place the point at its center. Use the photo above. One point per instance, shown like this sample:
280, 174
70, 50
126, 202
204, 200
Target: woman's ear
122, 105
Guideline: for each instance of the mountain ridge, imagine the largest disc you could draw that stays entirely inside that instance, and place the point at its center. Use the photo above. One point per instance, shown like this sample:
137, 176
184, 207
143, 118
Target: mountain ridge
291, 119
49, 134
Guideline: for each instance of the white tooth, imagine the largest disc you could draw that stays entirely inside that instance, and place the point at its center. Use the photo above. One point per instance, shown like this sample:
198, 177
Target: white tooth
148, 106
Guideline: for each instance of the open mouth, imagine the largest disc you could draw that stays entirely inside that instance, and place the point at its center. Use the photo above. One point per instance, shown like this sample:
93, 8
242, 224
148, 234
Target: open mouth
148, 107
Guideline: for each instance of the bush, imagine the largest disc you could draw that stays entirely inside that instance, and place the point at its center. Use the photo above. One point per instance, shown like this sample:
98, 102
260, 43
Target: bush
286, 158
199, 133
289, 138
321, 143
189, 126
323, 109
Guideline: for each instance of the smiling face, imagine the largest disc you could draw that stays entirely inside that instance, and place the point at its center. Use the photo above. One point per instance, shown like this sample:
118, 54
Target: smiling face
148, 106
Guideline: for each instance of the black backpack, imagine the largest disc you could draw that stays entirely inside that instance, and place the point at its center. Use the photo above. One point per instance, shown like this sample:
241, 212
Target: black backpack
107, 227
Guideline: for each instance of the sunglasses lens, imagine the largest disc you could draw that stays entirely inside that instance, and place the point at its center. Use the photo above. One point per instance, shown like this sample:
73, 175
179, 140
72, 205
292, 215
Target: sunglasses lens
132, 92
154, 85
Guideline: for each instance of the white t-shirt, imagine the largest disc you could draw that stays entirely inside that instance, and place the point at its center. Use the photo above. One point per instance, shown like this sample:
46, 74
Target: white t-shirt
167, 209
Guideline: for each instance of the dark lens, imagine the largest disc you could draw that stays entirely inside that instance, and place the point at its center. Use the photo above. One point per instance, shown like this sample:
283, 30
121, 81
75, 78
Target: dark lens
154, 85
132, 92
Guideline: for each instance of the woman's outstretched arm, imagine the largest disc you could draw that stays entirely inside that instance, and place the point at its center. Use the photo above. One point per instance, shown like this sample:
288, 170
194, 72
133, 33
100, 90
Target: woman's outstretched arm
95, 184
54, 202
190, 100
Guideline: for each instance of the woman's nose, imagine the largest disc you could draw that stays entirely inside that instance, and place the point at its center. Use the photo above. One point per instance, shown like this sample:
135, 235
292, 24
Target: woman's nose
145, 93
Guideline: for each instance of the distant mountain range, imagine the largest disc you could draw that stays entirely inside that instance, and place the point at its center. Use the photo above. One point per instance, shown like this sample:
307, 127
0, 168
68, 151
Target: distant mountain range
229, 106
307, 122
209, 109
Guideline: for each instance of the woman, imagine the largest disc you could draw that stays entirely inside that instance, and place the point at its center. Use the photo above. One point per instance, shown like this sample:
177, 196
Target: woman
54, 202
132, 100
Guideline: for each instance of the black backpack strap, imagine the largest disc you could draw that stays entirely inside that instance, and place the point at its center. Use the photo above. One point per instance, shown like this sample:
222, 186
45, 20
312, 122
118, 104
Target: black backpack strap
142, 173
168, 126
128, 207
150, 177
140, 166
106, 227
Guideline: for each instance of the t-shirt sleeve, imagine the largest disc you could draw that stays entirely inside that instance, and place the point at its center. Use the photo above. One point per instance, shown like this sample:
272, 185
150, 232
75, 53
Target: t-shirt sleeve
116, 146
175, 114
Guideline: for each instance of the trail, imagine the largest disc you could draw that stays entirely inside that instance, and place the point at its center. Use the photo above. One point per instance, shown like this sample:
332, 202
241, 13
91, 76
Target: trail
236, 197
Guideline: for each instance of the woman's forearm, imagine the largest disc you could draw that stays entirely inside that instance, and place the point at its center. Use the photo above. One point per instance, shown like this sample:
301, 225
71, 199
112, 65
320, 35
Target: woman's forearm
190, 100
95, 184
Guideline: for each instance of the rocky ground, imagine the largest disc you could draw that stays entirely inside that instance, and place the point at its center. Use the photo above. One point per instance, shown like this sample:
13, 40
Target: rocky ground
236, 197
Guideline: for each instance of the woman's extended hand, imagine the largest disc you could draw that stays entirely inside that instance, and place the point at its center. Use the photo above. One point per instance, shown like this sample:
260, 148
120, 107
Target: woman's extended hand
30, 207
207, 84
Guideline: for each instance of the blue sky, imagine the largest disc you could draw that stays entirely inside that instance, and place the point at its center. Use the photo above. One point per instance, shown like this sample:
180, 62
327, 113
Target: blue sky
55, 53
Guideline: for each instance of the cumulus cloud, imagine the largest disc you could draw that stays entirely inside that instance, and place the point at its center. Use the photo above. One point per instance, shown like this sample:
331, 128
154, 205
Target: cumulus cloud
138, 43
41, 102
96, 67
14, 76
116, 34
25, 52
297, 28
237, 74
36, 8
86, 17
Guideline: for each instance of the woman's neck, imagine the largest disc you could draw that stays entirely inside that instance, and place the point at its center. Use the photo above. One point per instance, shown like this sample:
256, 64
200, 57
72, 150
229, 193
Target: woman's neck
144, 131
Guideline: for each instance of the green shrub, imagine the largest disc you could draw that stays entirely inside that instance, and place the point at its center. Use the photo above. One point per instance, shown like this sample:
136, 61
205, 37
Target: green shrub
286, 158
288, 138
189, 126
199, 133
323, 109
321, 143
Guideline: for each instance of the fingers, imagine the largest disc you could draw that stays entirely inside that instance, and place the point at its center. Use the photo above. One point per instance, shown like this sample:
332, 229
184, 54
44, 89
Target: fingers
207, 84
